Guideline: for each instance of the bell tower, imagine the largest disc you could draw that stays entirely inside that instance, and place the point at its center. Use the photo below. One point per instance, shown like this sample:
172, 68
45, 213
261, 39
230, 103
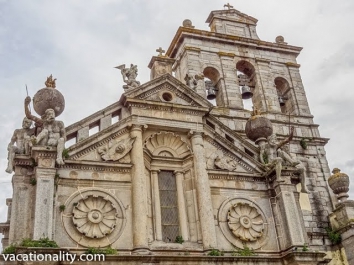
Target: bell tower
238, 66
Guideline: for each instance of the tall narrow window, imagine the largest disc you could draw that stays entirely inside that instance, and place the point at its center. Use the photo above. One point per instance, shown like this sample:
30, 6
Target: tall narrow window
169, 208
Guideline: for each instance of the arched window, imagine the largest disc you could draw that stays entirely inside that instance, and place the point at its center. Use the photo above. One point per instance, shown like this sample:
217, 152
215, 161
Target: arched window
284, 95
212, 85
246, 81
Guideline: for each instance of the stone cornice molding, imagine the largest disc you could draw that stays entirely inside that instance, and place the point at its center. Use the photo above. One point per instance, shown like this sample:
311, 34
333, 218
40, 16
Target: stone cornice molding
235, 176
184, 32
97, 166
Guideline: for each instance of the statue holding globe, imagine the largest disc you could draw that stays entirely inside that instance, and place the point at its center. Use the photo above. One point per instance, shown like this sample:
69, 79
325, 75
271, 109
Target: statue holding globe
49, 103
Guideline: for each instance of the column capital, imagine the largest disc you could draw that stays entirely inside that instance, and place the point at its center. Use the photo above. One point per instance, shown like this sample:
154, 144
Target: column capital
155, 171
179, 171
137, 127
192, 134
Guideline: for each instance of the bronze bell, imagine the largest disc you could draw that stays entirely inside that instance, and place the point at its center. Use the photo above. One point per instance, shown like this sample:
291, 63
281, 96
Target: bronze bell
281, 101
211, 93
246, 92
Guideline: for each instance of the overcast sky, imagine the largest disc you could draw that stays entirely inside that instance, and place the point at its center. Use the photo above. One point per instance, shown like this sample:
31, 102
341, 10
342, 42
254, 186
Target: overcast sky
80, 42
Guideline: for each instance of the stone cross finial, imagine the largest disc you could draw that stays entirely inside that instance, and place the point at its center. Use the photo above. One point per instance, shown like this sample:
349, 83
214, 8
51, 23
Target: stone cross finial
160, 51
228, 6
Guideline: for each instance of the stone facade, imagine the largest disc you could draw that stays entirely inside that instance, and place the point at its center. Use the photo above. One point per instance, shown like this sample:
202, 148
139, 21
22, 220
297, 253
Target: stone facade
177, 167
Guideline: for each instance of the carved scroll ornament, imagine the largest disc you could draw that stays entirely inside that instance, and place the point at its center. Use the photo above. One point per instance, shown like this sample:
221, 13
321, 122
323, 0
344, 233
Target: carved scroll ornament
116, 150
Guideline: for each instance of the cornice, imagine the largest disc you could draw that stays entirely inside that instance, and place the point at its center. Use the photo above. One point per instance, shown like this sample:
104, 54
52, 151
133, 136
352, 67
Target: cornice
183, 32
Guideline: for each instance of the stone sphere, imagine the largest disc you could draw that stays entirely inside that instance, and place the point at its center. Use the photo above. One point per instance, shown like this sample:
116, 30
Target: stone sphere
339, 182
258, 127
279, 39
187, 23
48, 98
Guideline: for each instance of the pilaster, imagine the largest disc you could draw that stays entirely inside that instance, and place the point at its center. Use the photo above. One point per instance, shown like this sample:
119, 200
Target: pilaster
140, 239
203, 192
44, 175
292, 230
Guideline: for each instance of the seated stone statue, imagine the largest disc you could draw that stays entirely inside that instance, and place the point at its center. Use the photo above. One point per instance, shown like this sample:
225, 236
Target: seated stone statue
271, 151
20, 137
52, 133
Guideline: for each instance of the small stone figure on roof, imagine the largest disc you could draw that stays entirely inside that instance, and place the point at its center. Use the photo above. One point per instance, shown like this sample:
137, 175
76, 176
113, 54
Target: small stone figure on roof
129, 75
20, 137
192, 80
53, 131
272, 155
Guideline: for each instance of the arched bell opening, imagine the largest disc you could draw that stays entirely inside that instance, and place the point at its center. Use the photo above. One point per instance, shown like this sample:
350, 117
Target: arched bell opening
246, 82
212, 85
285, 98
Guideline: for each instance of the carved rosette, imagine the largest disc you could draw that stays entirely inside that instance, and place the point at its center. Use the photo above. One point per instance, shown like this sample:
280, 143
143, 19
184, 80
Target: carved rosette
95, 217
245, 222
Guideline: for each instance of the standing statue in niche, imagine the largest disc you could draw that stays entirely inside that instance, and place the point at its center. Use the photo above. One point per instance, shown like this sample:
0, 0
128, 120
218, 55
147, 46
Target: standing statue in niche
20, 137
52, 133
129, 75
272, 155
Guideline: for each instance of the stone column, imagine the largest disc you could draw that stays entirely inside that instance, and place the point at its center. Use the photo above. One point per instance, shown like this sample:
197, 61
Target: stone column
292, 228
205, 207
44, 174
139, 207
156, 204
181, 206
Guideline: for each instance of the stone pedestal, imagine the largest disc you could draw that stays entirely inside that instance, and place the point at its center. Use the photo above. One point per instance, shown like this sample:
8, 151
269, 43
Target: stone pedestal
23, 200
44, 175
139, 204
342, 221
205, 207
160, 65
289, 221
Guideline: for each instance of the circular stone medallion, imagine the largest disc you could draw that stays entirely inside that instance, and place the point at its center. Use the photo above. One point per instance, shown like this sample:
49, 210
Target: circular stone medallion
94, 215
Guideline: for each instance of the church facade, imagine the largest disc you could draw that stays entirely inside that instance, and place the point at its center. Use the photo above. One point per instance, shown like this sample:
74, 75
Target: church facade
187, 174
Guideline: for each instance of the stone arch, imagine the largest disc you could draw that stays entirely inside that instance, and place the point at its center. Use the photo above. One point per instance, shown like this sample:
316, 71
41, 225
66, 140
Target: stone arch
167, 144
246, 74
211, 78
285, 97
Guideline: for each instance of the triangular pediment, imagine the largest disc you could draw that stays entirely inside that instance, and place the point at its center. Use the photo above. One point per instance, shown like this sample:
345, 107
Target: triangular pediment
167, 89
233, 15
